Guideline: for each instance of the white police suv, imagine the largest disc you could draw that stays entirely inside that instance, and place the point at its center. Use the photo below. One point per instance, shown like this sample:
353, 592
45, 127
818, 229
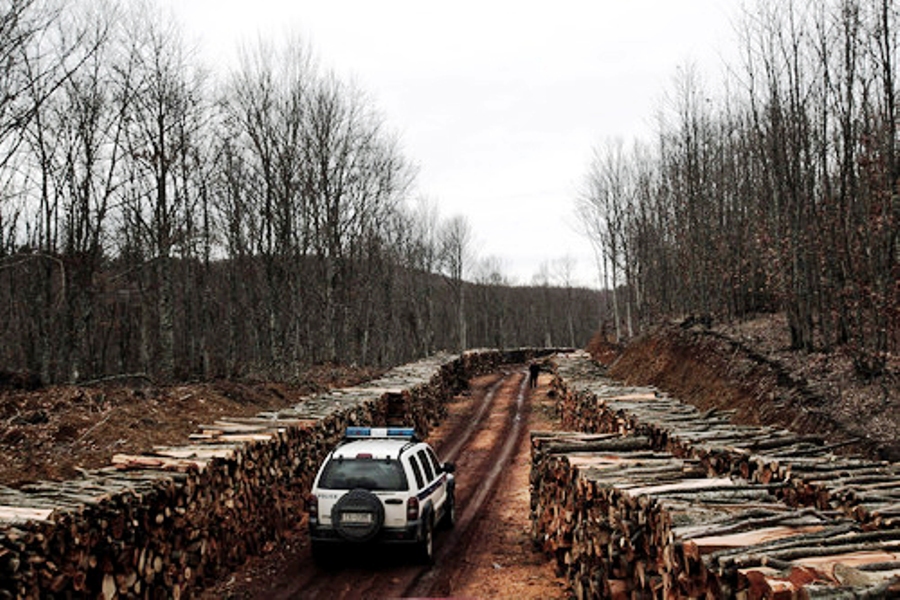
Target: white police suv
381, 485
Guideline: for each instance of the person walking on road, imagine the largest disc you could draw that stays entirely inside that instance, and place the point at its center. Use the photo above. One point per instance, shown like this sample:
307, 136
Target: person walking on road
533, 370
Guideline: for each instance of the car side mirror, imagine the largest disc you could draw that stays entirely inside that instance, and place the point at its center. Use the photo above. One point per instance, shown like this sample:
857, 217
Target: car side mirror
448, 467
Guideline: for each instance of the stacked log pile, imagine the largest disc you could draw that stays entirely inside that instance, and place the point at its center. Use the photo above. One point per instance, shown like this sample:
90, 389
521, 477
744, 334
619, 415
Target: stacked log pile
814, 474
160, 525
627, 521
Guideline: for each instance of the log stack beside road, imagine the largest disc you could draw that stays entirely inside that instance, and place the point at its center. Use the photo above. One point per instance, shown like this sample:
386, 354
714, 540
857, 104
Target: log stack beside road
654, 498
814, 474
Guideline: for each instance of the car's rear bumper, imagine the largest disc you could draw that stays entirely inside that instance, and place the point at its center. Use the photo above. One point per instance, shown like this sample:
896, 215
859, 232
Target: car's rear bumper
387, 535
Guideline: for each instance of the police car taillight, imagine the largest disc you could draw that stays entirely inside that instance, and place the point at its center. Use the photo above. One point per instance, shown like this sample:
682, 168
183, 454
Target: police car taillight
355, 433
312, 505
412, 509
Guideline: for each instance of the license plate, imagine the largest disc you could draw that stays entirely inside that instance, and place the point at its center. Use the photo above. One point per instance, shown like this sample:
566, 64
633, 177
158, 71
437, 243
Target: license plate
351, 517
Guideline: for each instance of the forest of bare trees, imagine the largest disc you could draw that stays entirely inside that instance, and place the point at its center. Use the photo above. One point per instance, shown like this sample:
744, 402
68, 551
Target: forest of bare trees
779, 193
162, 220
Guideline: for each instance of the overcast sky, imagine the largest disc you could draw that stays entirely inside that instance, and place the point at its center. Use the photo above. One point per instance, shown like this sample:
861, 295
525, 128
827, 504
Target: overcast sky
499, 103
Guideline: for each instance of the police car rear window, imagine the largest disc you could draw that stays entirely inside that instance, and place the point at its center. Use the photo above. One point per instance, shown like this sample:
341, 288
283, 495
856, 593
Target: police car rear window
366, 473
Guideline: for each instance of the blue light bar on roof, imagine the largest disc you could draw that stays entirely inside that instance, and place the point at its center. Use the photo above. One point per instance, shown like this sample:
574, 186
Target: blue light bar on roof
406, 433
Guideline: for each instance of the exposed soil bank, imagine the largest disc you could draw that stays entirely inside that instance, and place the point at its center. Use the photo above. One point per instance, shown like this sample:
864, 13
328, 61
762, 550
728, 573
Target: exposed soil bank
748, 368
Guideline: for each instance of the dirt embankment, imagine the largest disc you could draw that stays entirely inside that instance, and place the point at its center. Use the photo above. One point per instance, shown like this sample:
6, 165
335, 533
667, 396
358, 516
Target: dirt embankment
52, 433
748, 368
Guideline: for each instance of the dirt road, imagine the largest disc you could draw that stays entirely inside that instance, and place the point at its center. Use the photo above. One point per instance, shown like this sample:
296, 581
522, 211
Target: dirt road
487, 554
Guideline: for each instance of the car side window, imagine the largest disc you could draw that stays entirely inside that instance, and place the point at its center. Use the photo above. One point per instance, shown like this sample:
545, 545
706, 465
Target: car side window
417, 472
426, 464
434, 461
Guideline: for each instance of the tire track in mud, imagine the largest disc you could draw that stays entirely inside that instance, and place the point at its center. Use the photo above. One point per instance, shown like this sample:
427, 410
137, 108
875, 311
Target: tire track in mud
436, 580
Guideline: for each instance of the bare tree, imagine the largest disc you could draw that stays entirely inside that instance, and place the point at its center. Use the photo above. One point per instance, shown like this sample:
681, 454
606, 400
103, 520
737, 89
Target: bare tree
164, 120
491, 316
78, 139
266, 111
62, 216
603, 209
564, 269
423, 258
21, 24
456, 258
355, 178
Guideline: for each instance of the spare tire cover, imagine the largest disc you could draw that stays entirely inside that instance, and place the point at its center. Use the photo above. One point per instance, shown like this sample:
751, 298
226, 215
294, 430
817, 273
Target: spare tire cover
358, 516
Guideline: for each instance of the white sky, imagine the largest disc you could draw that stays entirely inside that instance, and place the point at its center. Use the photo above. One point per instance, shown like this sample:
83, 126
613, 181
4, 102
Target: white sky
499, 102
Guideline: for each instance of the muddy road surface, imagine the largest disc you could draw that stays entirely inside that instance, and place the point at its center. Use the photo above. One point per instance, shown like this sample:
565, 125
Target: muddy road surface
487, 554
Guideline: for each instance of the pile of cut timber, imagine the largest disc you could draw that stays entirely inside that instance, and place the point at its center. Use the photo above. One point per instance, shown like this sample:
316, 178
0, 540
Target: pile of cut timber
814, 474
160, 525
624, 520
